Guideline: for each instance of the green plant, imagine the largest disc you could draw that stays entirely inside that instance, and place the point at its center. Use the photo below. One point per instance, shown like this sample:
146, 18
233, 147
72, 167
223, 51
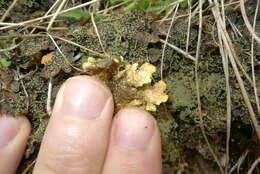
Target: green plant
77, 14
4, 62
156, 6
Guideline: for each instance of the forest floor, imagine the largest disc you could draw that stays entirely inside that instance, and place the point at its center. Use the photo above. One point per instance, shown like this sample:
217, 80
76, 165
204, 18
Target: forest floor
210, 65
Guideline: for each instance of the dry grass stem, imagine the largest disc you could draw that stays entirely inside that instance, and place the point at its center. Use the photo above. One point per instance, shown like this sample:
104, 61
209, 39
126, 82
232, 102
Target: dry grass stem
188, 30
6, 24
231, 54
28, 168
47, 17
198, 89
235, 29
253, 61
10, 48
185, 54
104, 11
56, 13
8, 10
48, 103
82, 47
166, 41
226, 72
65, 58
48, 12
254, 165
96, 30
248, 25
239, 162
24, 89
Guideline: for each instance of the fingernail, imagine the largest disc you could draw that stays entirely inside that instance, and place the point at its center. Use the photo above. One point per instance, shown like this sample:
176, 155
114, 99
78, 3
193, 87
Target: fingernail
8, 129
134, 129
81, 97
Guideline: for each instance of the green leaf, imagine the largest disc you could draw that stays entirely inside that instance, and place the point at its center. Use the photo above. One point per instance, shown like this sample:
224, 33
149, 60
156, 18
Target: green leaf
77, 14
114, 2
184, 4
154, 9
4, 62
142, 4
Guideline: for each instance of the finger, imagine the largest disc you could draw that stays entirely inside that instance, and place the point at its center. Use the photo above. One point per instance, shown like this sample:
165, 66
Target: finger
134, 144
14, 133
76, 138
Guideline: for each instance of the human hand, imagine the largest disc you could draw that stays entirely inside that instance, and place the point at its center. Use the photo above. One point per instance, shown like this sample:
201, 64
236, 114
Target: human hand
82, 137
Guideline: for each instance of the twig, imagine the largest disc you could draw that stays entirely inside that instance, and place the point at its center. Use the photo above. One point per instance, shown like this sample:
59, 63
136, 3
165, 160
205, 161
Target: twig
198, 90
96, 30
8, 10
253, 61
48, 16
166, 41
255, 163
48, 103
248, 25
56, 14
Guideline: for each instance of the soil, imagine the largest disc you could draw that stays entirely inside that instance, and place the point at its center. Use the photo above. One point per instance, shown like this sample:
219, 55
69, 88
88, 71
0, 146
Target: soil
136, 37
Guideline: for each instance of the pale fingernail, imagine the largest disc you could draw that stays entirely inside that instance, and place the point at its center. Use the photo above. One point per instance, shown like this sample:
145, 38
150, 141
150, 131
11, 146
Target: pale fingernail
81, 97
134, 128
8, 129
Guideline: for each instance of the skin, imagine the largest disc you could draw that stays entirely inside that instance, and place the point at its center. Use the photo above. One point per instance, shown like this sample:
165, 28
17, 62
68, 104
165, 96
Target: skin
83, 136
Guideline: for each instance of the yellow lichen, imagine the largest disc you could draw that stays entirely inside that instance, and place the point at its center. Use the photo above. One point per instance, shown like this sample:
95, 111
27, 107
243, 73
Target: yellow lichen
138, 78
155, 95
131, 86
